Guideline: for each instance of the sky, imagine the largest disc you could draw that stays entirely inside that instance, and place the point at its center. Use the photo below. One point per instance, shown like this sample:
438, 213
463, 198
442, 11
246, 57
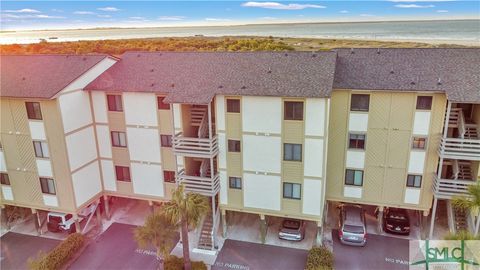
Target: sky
39, 15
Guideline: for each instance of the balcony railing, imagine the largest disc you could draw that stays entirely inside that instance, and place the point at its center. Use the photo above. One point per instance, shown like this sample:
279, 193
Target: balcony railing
195, 147
203, 185
453, 148
448, 188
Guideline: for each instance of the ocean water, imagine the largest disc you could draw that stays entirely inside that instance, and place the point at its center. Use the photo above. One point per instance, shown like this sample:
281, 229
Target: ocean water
457, 31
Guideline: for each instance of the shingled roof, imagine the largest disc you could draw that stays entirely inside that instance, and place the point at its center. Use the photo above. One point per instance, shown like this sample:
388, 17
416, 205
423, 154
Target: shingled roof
41, 76
453, 71
196, 77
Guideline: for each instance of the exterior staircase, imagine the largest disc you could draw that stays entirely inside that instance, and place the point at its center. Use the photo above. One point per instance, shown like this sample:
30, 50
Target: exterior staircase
197, 114
460, 219
464, 170
471, 131
206, 234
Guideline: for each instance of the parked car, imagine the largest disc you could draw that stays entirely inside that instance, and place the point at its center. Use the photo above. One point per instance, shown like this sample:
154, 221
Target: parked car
396, 220
292, 229
352, 227
58, 222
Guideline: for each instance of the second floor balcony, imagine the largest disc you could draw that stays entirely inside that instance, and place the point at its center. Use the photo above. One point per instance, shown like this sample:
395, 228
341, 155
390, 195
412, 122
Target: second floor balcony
449, 188
195, 147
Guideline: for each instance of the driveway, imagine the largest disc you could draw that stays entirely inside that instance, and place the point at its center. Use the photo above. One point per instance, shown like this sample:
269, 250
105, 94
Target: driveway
380, 252
251, 256
116, 249
17, 248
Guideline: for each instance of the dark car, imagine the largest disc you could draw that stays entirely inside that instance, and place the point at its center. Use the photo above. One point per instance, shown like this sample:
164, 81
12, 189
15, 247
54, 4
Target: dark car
292, 230
396, 220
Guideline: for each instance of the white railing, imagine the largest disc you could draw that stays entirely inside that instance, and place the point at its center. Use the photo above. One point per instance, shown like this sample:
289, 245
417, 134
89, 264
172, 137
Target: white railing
448, 188
208, 186
195, 147
467, 149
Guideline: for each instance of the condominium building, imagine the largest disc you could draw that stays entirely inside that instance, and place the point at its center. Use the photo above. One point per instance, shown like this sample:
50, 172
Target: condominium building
267, 133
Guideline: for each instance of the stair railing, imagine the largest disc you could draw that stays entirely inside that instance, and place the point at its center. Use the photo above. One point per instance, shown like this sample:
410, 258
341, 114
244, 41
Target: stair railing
203, 128
461, 124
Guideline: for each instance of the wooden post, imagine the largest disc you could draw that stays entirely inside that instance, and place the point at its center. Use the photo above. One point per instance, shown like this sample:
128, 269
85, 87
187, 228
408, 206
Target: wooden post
263, 228
224, 223
36, 221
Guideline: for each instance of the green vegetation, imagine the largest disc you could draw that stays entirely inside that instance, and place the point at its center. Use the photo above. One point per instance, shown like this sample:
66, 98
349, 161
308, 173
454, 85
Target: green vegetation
319, 258
59, 256
175, 263
158, 232
471, 203
118, 47
462, 235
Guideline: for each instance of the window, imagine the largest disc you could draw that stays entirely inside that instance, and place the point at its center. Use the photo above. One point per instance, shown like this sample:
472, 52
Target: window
115, 103
233, 105
360, 103
424, 102
419, 143
123, 173
161, 104
292, 152
119, 139
354, 177
292, 191
48, 185
41, 149
33, 110
169, 176
235, 182
166, 140
414, 181
293, 110
357, 141
233, 146
4, 180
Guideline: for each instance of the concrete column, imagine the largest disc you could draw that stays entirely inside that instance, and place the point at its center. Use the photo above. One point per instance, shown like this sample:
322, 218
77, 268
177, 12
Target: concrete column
319, 239
263, 228
99, 215
77, 225
36, 221
106, 206
224, 223
380, 219
152, 209
432, 222
423, 224
3, 216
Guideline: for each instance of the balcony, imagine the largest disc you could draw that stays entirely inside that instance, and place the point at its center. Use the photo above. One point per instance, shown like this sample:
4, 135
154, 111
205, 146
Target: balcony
195, 147
203, 185
448, 188
466, 149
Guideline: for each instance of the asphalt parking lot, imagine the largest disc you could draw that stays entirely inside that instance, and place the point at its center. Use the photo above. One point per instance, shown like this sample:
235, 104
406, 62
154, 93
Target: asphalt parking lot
116, 249
251, 256
380, 252
17, 248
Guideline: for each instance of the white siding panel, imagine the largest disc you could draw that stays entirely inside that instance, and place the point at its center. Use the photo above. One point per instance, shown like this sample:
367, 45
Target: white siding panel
421, 123
266, 158
313, 157
75, 110
416, 163
412, 195
220, 112
140, 109
144, 144
356, 159
223, 188
104, 141
81, 148
86, 183
37, 130
50, 200
358, 122
108, 173
222, 151
312, 197
3, 164
315, 117
352, 192
147, 179
90, 75
262, 191
262, 114
99, 100
44, 167
7, 193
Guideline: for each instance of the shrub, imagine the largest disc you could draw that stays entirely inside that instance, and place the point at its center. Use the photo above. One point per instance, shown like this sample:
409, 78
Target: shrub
462, 235
61, 254
319, 258
175, 263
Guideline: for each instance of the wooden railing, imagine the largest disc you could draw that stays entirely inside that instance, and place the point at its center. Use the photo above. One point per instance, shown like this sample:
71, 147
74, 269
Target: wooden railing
454, 148
195, 147
208, 186
448, 188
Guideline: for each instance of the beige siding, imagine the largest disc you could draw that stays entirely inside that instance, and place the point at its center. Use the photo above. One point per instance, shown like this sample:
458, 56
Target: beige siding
233, 125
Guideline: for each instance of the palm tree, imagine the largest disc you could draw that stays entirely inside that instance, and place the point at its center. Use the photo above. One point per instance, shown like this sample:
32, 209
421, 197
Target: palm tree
186, 210
159, 232
471, 203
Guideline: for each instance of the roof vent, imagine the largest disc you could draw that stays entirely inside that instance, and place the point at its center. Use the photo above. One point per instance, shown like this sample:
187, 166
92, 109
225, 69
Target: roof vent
439, 82
138, 55
314, 55
378, 50
151, 85
269, 71
391, 71
412, 83
151, 70
84, 58
286, 54
244, 87
23, 78
172, 85
220, 86
351, 51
